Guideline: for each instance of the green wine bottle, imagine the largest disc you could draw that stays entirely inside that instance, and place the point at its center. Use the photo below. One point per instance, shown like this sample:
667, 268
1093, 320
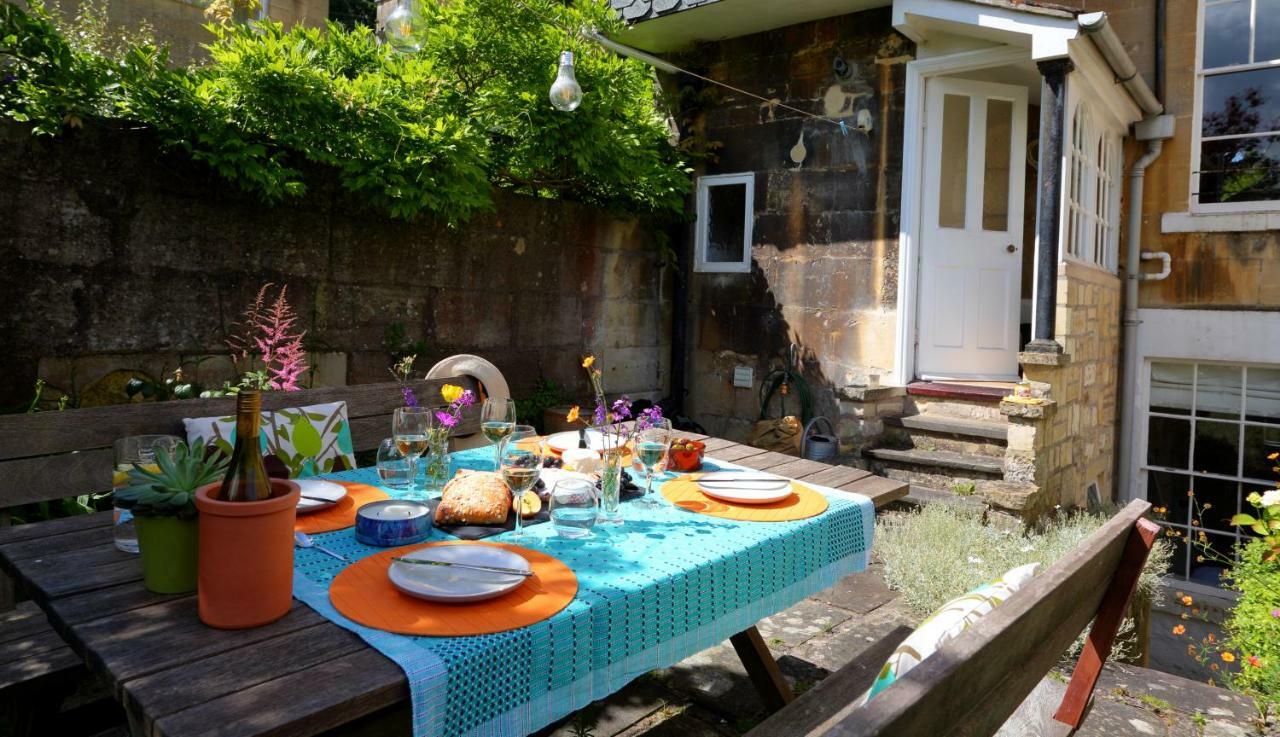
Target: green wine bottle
246, 479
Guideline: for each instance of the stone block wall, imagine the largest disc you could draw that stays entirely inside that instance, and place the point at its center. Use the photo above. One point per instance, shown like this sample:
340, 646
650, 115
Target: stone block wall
118, 257
825, 233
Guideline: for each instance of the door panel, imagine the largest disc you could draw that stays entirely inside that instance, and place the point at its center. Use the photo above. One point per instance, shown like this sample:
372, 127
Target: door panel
971, 234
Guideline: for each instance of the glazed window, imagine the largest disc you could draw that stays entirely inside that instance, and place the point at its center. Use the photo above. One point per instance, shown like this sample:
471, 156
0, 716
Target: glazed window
725, 215
1093, 195
1236, 162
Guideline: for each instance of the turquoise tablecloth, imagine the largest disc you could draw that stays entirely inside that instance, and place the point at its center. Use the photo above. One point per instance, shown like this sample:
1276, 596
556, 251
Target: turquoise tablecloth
665, 585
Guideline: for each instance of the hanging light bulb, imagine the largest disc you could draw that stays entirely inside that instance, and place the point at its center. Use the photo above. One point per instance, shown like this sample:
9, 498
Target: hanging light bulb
566, 95
403, 27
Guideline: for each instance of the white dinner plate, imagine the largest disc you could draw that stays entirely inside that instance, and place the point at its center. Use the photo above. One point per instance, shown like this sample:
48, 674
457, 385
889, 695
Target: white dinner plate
562, 441
330, 492
723, 485
449, 585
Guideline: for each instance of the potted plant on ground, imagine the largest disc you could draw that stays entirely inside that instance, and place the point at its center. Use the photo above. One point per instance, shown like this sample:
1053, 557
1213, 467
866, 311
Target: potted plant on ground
163, 506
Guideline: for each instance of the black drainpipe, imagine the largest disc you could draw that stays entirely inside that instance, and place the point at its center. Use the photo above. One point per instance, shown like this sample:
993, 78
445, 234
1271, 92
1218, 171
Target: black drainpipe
679, 315
1159, 50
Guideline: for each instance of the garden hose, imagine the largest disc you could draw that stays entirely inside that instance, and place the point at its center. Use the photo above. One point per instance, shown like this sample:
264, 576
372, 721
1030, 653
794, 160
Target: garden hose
785, 381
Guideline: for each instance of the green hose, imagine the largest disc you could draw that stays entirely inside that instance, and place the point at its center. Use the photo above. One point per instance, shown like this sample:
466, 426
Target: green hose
773, 382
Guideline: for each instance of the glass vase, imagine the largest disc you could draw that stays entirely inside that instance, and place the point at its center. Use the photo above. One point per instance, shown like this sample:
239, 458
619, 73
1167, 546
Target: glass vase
435, 461
611, 487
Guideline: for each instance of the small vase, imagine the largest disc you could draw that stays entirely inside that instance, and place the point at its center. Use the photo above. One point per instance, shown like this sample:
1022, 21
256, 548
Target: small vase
168, 547
611, 487
435, 461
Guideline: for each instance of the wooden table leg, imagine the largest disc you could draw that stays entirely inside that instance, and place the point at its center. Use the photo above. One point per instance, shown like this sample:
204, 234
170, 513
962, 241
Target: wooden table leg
762, 668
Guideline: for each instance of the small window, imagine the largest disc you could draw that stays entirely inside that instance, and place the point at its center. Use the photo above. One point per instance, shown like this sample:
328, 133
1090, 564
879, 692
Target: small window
726, 211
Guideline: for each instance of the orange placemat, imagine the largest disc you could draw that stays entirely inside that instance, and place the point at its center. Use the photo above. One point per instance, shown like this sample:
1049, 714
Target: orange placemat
803, 503
363, 593
343, 514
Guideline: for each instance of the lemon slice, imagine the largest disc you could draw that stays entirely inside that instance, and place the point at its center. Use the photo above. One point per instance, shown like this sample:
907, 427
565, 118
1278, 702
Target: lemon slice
530, 505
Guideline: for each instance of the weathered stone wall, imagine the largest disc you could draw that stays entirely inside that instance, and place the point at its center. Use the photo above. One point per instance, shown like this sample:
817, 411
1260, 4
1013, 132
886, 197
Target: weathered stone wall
826, 225
118, 257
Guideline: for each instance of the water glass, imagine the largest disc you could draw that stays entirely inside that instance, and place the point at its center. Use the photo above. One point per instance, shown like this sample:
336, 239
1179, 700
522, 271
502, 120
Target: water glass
574, 508
520, 459
394, 468
135, 450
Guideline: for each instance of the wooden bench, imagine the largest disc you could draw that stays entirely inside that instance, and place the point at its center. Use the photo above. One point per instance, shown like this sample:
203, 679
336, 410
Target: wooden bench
47, 456
974, 683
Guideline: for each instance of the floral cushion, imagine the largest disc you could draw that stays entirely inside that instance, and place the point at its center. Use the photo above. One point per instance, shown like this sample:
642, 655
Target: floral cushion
946, 624
296, 442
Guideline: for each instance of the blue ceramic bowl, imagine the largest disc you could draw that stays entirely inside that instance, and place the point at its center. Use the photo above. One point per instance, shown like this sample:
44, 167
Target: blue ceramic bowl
393, 522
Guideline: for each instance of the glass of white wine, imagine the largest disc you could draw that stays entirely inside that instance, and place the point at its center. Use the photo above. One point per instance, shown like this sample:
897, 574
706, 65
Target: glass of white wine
651, 449
520, 458
409, 428
497, 420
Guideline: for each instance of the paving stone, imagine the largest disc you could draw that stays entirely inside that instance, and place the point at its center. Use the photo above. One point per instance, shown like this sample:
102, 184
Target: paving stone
687, 722
850, 639
860, 593
1108, 718
799, 623
715, 679
636, 701
1185, 695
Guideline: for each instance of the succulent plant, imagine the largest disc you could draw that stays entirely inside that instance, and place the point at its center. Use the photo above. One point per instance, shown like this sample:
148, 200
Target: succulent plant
171, 491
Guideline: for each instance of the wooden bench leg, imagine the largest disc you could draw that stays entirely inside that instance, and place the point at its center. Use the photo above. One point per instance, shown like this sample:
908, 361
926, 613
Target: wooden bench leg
762, 668
1105, 625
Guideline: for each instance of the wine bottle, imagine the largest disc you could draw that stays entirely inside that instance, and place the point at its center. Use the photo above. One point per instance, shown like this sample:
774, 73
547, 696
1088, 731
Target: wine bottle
246, 479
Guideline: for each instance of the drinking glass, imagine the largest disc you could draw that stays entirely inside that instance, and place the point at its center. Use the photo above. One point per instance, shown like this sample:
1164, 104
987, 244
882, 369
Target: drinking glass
574, 508
409, 428
651, 450
395, 470
135, 450
520, 458
497, 419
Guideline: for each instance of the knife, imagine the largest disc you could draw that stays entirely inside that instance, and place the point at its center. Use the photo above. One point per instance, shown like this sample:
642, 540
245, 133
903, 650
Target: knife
468, 566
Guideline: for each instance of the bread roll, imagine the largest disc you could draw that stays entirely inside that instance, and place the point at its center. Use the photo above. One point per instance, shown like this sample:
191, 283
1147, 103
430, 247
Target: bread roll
474, 498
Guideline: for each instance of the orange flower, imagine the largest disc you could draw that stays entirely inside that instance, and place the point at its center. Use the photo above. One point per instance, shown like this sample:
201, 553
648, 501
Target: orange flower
1213, 666
1186, 600
1179, 630
1191, 493
1191, 650
1210, 638
572, 416
586, 362
1228, 658
1255, 661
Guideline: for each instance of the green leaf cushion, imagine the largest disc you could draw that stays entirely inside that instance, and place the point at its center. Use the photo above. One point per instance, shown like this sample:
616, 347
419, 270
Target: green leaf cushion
296, 441
946, 624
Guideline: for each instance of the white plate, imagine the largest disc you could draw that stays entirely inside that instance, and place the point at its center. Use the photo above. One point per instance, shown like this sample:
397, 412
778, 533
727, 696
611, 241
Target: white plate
721, 485
327, 490
450, 585
562, 441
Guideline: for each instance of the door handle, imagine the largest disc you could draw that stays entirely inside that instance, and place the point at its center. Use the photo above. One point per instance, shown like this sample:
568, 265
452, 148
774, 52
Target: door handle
1011, 248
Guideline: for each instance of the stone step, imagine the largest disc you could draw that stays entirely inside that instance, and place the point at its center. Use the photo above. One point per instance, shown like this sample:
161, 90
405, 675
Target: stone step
944, 432
965, 392
949, 425
921, 495
942, 460
964, 409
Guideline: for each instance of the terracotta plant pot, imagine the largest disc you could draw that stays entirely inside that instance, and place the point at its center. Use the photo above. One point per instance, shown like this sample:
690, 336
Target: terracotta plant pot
246, 557
168, 547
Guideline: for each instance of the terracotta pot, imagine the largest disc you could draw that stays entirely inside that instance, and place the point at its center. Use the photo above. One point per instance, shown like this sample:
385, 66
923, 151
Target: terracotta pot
168, 548
246, 557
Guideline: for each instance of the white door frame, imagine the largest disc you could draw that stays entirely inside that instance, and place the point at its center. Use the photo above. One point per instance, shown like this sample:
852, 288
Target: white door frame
918, 72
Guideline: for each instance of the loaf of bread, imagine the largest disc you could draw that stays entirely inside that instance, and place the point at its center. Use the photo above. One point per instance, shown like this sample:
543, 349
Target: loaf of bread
474, 498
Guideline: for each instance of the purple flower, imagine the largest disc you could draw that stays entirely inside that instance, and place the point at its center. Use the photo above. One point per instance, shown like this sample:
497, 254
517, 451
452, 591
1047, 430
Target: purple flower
621, 408
446, 419
466, 399
598, 416
409, 399
648, 417
9, 79
1275, 613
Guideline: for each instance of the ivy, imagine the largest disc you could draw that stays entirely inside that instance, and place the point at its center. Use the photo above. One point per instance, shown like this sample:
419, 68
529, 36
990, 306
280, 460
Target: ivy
428, 133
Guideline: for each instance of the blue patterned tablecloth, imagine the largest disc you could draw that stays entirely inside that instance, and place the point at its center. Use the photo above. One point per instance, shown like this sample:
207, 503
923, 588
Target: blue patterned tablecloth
663, 586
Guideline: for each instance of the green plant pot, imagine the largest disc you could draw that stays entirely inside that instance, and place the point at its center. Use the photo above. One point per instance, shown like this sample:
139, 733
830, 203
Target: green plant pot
169, 548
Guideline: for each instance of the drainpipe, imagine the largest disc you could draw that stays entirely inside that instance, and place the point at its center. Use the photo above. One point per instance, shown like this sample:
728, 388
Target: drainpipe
1154, 131
1096, 27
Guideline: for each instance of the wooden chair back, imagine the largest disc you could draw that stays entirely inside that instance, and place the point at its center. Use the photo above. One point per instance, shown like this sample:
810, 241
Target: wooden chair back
974, 683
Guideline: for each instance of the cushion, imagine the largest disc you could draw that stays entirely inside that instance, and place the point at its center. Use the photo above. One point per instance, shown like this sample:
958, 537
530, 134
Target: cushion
946, 624
296, 442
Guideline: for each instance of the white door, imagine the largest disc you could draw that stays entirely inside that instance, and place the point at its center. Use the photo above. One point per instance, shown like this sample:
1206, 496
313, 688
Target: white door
971, 230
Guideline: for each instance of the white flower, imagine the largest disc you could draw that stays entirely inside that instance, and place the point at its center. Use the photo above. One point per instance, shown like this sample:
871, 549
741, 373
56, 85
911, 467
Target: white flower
1026, 548
1271, 498
974, 559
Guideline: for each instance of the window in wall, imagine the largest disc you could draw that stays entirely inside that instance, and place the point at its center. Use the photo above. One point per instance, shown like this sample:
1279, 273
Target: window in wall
1093, 175
726, 205
1237, 154
1210, 428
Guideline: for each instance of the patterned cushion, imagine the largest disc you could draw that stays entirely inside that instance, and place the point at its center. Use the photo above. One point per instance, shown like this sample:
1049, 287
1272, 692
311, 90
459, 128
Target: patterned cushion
945, 624
298, 441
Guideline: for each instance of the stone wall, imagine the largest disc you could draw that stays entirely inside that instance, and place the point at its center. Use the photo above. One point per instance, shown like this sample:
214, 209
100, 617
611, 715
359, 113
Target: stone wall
825, 249
117, 257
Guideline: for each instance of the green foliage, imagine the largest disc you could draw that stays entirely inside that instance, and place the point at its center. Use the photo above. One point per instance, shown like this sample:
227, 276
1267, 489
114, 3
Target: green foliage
1253, 626
545, 395
429, 133
170, 491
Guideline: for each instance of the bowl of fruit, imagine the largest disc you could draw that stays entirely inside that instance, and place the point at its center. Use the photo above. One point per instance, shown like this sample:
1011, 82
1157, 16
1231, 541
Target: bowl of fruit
686, 455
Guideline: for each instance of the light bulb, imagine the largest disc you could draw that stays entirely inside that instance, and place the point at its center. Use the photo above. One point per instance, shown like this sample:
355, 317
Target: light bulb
403, 27
566, 95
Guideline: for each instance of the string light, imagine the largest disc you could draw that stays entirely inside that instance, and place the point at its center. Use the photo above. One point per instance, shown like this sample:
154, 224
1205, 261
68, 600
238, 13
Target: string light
566, 94
403, 28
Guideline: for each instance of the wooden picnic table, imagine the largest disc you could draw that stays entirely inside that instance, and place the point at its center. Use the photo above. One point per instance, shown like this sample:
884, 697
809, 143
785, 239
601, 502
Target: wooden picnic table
301, 675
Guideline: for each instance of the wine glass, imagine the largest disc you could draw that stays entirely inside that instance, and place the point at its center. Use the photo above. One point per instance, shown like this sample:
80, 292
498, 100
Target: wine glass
394, 470
520, 459
497, 418
651, 449
409, 428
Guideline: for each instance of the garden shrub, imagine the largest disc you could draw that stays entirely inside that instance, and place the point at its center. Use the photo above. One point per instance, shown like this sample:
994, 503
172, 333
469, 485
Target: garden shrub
431, 132
1253, 626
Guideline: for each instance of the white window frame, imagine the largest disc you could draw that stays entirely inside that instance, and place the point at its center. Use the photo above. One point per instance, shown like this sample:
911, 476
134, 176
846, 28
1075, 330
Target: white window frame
700, 263
1193, 193
1091, 191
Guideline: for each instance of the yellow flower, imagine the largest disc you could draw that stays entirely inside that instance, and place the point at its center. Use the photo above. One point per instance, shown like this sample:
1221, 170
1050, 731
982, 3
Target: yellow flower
1186, 600
586, 362
1228, 658
573, 414
1207, 505
1273, 456
1179, 630
450, 392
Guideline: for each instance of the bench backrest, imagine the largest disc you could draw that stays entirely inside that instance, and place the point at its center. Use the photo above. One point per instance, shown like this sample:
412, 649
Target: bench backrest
51, 455
974, 683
